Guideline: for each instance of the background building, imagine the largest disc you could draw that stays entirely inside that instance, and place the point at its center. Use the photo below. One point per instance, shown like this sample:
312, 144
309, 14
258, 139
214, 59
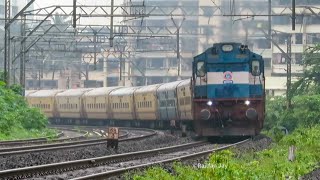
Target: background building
141, 58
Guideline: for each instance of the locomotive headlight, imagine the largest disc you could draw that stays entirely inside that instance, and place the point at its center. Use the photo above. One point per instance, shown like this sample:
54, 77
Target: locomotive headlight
209, 103
247, 102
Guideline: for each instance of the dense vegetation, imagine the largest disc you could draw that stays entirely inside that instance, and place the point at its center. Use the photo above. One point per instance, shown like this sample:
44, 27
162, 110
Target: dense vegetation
267, 164
304, 112
309, 83
17, 120
301, 121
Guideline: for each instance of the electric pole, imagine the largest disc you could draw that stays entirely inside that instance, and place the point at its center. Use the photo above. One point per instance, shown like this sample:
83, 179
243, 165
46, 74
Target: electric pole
288, 94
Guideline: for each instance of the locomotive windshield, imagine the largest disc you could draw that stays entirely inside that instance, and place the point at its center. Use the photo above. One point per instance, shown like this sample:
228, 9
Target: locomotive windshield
200, 69
255, 65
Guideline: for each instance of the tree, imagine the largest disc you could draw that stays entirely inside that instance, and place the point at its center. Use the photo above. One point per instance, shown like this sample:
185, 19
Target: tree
309, 83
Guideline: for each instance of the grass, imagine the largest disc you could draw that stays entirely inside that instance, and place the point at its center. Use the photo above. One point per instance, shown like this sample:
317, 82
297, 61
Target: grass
20, 133
267, 164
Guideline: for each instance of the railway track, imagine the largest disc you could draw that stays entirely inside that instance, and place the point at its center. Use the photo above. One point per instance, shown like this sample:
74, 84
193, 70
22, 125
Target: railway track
59, 168
34, 141
120, 171
66, 145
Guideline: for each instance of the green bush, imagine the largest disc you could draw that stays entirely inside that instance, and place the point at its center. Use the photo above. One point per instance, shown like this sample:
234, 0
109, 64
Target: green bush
17, 116
304, 112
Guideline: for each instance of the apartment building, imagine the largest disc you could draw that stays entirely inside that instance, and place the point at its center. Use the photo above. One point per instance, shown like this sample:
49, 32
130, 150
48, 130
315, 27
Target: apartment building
156, 59
228, 22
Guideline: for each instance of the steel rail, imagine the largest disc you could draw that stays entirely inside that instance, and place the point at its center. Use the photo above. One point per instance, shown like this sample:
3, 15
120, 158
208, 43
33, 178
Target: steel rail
121, 171
68, 145
29, 141
43, 140
29, 172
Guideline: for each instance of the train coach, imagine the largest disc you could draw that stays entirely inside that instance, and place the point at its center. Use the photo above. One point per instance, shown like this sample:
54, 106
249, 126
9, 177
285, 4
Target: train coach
96, 104
44, 100
224, 97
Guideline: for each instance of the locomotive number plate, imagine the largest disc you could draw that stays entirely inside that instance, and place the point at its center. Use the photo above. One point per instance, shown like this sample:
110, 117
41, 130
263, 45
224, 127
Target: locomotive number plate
227, 82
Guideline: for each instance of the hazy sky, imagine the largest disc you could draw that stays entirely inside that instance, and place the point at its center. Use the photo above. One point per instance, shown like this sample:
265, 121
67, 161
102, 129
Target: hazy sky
104, 21
44, 3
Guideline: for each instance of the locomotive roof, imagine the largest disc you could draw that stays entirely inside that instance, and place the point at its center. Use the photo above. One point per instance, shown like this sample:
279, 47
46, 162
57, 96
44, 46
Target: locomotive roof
45, 93
100, 91
123, 91
169, 86
148, 88
223, 43
73, 92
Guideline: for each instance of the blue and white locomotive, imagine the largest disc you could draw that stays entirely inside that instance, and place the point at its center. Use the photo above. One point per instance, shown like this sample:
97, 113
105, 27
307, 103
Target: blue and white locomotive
228, 91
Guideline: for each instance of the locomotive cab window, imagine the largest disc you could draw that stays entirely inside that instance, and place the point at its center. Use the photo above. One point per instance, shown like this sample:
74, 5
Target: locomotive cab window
255, 68
200, 69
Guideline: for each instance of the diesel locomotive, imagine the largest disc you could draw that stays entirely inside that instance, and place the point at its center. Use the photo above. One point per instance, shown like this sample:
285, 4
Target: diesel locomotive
228, 91
224, 97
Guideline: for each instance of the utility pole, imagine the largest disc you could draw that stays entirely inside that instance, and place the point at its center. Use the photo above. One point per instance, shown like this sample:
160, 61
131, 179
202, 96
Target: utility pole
105, 71
23, 54
95, 50
121, 69
178, 26
288, 94
111, 24
8, 22
269, 18
293, 15
7, 45
74, 14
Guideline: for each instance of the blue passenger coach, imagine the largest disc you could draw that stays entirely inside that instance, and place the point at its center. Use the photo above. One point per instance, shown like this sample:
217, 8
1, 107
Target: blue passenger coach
228, 91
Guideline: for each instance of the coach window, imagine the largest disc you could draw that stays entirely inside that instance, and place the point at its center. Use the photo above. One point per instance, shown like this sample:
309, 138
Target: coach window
200, 69
255, 68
